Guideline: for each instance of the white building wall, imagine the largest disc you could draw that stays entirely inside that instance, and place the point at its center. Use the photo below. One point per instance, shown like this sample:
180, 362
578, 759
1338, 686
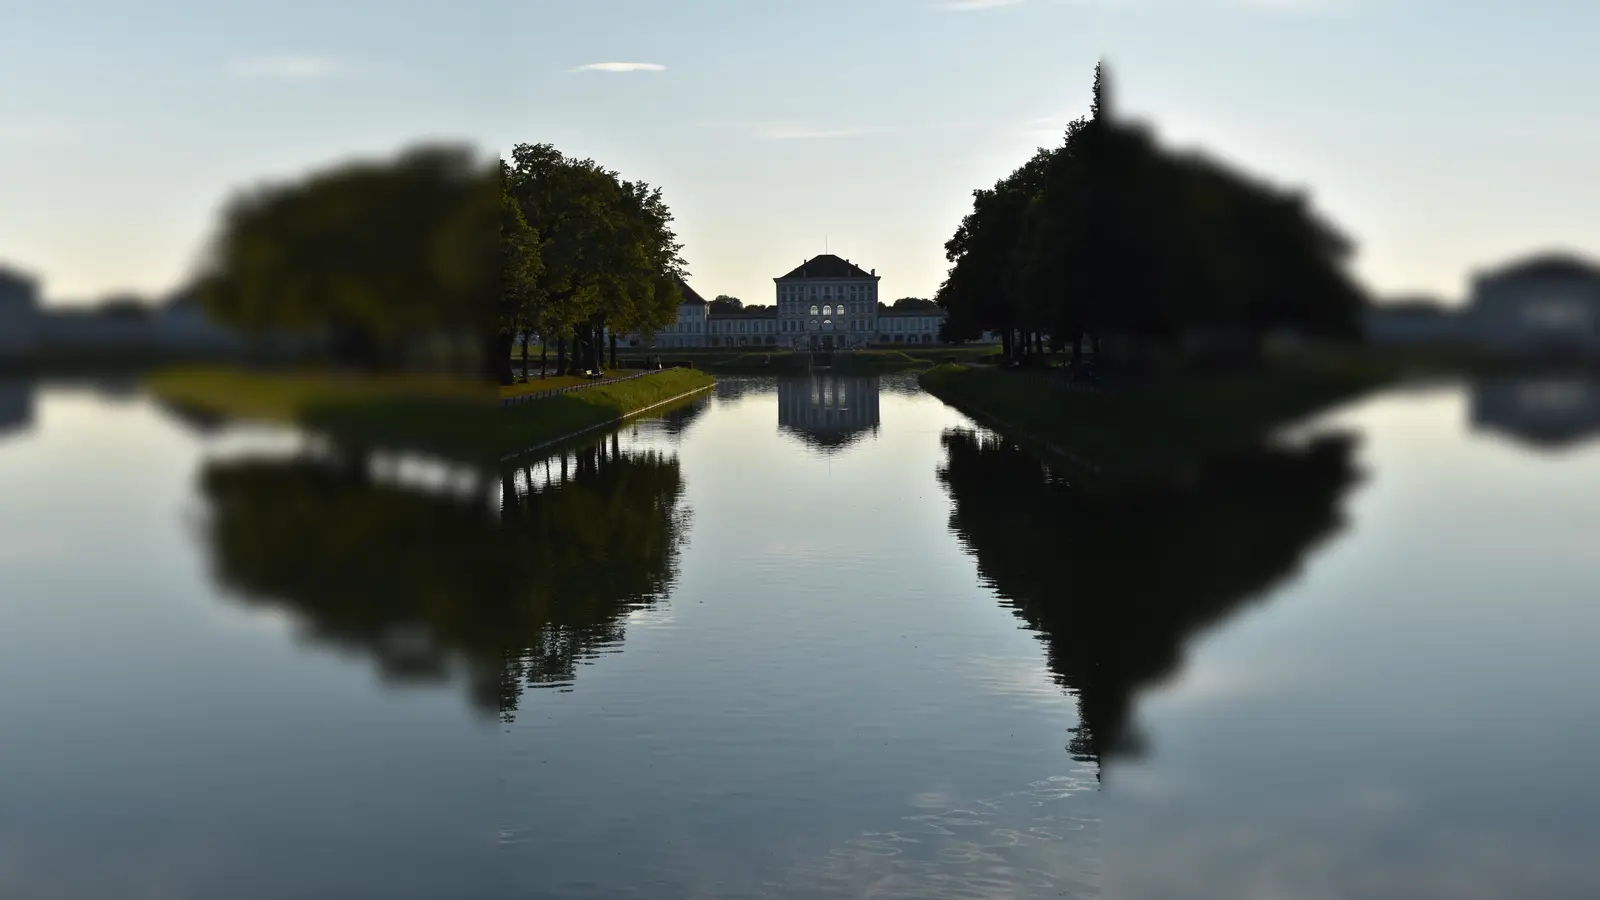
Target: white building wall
844, 308
19, 315
920, 327
1531, 313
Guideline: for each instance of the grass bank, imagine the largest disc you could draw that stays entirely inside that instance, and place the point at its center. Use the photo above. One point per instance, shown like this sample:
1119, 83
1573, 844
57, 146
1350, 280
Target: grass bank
555, 382
1136, 430
778, 361
457, 419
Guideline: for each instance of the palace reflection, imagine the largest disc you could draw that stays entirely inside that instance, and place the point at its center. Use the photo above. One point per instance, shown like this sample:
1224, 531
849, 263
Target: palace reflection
1116, 584
16, 406
435, 585
828, 411
1549, 412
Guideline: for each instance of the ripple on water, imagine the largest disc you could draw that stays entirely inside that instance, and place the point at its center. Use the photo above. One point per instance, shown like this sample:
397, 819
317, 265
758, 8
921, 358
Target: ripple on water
1039, 841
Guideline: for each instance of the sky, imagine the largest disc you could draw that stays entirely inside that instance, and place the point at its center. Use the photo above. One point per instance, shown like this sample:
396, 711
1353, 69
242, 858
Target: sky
1442, 136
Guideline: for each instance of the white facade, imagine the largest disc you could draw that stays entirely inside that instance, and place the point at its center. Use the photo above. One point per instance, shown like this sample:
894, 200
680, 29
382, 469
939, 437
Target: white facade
19, 313
827, 303
688, 330
1548, 303
751, 328
911, 327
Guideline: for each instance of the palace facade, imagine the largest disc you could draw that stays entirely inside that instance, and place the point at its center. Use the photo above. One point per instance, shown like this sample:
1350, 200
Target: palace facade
827, 303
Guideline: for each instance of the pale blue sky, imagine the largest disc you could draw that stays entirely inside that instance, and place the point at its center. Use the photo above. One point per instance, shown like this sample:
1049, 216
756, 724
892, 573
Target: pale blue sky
1441, 135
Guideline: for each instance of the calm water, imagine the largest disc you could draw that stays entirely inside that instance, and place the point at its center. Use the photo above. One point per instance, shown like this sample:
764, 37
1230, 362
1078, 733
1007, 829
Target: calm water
810, 638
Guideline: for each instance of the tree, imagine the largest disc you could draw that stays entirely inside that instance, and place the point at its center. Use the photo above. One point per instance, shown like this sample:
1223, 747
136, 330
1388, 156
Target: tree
611, 261
725, 304
1110, 235
377, 257
521, 265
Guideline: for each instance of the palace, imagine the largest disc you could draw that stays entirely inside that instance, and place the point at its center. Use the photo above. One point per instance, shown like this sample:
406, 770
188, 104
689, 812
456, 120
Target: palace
827, 303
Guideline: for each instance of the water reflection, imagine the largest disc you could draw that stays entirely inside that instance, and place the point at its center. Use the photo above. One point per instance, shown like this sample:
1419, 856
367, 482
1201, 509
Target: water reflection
1117, 585
1550, 413
16, 407
676, 420
442, 584
828, 411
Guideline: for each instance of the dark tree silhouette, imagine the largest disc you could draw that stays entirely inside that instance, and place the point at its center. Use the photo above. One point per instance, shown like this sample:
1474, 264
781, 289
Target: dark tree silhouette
1116, 585
608, 258
1109, 236
431, 584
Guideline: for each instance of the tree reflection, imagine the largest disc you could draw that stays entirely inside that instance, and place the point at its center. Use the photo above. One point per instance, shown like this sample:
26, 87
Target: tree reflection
433, 585
1117, 584
677, 420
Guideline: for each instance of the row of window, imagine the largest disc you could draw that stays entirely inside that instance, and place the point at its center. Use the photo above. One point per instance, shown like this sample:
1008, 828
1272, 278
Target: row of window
828, 310
796, 293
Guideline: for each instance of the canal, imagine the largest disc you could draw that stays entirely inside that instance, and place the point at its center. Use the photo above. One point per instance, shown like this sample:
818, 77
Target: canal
812, 637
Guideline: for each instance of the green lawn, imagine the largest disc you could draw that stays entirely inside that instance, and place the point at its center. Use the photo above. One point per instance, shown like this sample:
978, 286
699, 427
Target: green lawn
1135, 429
537, 385
458, 419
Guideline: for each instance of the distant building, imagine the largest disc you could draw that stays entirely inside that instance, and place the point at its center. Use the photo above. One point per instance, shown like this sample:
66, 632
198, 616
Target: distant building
909, 326
1414, 320
752, 327
1550, 303
688, 330
122, 323
181, 323
19, 313
827, 303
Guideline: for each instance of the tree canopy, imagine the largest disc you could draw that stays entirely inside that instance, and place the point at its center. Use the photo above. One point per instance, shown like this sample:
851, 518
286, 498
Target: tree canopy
725, 304
376, 256
607, 258
1111, 235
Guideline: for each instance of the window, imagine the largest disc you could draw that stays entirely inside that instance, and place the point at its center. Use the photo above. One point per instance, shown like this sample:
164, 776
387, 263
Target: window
827, 310
813, 311
827, 324
813, 322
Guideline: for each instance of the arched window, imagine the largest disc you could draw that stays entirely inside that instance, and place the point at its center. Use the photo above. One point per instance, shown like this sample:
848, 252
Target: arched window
827, 324
813, 321
813, 311
827, 310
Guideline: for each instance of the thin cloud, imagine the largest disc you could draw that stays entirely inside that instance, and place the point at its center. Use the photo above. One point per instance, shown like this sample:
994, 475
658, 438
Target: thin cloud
287, 68
620, 67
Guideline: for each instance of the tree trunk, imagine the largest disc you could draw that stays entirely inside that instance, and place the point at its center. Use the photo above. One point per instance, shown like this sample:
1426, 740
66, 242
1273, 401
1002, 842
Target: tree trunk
561, 356
544, 358
527, 335
613, 351
499, 361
